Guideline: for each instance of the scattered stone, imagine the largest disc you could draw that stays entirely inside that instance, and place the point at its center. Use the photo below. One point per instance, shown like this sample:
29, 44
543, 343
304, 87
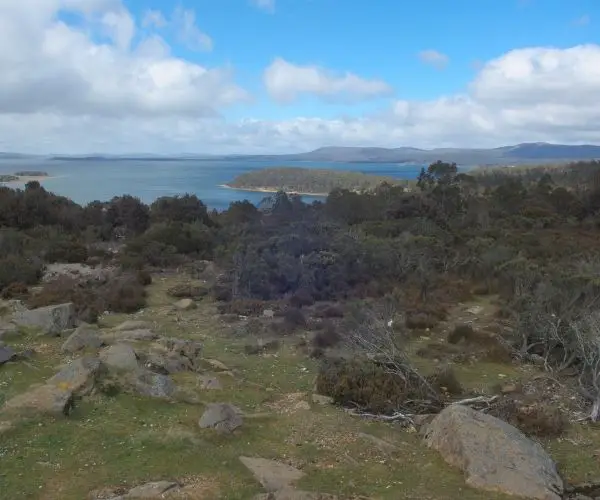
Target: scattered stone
154, 385
152, 490
47, 399
216, 364
208, 382
51, 320
7, 354
129, 336
476, 310
322, 400
185, 305
290, 403
84, 336
119, 357
381, 444
79, 377
494, 455
223, 417
291, 494
269, 313
272, 475
133, 325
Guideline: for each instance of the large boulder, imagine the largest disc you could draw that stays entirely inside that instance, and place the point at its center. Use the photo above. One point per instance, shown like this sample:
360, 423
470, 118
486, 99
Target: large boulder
223, 417
47, 399
119, 357
50, 320
83, 337
273, 476
149, 384
494, 455
79, 376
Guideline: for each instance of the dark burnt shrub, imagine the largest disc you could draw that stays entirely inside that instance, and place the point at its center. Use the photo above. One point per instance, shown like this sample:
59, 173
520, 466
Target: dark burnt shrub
329, 311
460, 332
144, 277
17, 290
328, 336
242, 307
294, 317
366, 384
421, 320
444, 381
15, 268
302, 298
124, 294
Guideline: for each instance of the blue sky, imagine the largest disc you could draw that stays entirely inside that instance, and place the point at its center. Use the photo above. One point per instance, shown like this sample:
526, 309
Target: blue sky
244, 76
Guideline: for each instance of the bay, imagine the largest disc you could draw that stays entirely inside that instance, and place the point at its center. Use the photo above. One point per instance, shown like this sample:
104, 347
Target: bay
87, 180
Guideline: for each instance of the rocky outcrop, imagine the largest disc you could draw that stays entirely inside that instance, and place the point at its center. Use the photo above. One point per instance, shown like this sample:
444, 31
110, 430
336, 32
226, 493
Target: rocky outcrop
83, 337
223, 417
272, 475
172, 355
45, 399
493, 455
119, 357
79, 376
143, 335
292, 494
50, 320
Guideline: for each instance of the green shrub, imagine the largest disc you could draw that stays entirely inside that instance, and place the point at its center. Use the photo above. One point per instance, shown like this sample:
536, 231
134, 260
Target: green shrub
65, 250
17, 269
124, 295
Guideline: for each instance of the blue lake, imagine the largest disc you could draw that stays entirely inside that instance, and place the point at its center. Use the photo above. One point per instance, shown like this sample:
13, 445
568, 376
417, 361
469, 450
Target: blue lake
88, 180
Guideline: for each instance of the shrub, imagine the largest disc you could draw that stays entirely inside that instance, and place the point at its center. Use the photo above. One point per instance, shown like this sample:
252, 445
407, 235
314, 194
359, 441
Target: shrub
329, 311
327, 337
15, 290
460, 332
124, 295
242, 307
302, 298
294, 317
187, 291
444, 381
536, 419
17, 269
63, 250
420, 321
364, 383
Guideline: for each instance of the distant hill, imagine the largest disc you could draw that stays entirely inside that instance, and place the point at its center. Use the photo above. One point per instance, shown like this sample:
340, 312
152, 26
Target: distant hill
307, 180
520, 153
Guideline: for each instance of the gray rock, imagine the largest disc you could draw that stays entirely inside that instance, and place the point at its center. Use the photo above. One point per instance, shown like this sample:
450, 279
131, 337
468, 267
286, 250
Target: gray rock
119, 357
494, 455
292, 494
156, 489
51, 320
154, 385
129, 336
79, 376
133, 325
47, 399
83, 337
7, 354
223, 417
272, 475
185, 305
210, 383
167, 362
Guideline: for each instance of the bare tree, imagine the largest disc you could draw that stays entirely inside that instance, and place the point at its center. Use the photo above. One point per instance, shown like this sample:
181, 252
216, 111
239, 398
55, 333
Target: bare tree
587, 335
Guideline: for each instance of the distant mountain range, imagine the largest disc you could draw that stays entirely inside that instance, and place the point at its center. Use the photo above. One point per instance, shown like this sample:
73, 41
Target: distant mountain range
537, 152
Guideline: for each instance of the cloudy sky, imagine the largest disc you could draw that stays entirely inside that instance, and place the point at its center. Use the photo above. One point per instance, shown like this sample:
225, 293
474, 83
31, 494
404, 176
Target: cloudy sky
262, 76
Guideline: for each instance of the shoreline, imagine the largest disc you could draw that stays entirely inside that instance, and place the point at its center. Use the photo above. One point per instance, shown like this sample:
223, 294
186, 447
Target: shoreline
24, 179
272, 191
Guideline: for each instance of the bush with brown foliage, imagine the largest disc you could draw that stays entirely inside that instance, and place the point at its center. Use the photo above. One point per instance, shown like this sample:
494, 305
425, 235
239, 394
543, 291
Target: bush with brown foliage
144, 277
124, 294
538, 419
18, 269
15, 290
444, 381
294, 317
187, 291
461, 332
328, 336
369, 385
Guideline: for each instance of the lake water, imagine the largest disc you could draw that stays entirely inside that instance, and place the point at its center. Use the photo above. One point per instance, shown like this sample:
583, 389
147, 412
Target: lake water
88, 180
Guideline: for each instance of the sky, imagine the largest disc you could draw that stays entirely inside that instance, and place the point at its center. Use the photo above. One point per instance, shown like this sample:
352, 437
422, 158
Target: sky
283, 76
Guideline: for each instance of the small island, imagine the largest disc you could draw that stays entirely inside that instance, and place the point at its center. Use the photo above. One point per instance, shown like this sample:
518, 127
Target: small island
23, 176
307, 181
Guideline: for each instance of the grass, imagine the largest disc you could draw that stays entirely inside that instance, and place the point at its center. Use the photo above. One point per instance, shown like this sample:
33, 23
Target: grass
126, 440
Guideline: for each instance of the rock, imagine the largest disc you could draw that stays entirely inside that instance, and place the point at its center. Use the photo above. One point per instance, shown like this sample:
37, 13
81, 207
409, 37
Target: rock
189, 349
216, 364
129, 336
494, 455
157, 489
47, 399
291, 494
208, 382
185, 305
321, 400
154, 385
166, 363
223, 417
119, 357
79, 376
269, 313
51, 320
273, 476
260, 346
84, 336
133, 325
423, 420
7, 354
171, 355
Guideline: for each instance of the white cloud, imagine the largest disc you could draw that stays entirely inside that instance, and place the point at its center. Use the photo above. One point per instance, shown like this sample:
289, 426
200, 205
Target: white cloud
285, 82
64, 90
266, 5
188, 33
582, 20
434, 58
154, 19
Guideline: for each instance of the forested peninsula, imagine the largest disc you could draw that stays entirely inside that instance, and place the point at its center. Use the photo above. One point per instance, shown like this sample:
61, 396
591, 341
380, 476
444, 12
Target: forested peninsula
308, 181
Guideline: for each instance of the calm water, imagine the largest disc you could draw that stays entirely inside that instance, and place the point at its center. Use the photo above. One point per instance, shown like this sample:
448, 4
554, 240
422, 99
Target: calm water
85, 181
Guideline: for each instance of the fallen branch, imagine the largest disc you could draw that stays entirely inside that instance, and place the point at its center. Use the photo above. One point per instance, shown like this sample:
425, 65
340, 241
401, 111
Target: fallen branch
385, 418
476, 400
